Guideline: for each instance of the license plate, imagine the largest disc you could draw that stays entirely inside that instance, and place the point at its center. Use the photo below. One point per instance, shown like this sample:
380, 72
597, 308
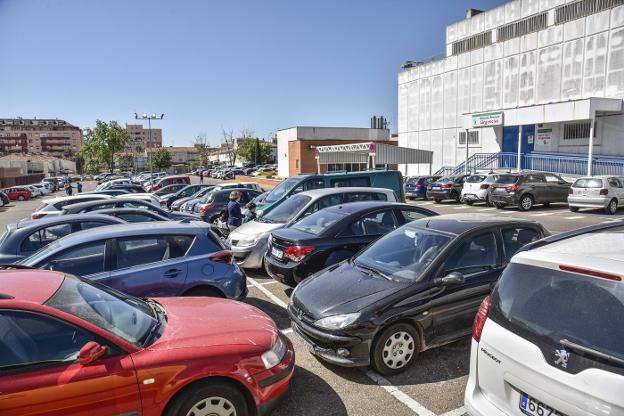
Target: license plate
435, 187
277, 253
532, 407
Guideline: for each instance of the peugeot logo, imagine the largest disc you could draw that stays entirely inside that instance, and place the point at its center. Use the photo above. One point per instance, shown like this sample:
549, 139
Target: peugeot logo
300, 314
561, 358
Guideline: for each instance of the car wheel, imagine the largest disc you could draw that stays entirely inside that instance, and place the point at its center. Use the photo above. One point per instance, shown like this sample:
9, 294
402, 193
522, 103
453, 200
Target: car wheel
499, 206
437, 200
21, 197
611, 209
488, 203
457, 198
395, 349
206, 398
574, 209
526, 203
468, 201
425, 198
204, 291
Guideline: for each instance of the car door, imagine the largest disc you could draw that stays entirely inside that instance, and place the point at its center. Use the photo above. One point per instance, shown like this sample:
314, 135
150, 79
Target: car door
477, 257
40, 373
364, 230
514, 238
535, 184
556, 187
152, 265
617, 188
88, 260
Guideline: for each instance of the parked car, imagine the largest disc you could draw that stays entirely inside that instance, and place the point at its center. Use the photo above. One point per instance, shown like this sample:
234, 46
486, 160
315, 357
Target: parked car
416, 186
549, 339
132, 214
249, 241
448, 187
232, 173
217, 201
133, 188
66, 337
526, 189
192, 205
43, 188
110, 192
126, 202
168, 180
54, 206
183, 258
23, 238
184, 192
604, 192
332, 235
169, 189
113, 182
34, 191
52, 182
477, 188
266, 172
18, 193
390, 179
179, 204
417, 288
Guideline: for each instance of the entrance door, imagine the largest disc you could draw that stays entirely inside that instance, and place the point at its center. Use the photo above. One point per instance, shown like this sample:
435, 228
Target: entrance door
510, 142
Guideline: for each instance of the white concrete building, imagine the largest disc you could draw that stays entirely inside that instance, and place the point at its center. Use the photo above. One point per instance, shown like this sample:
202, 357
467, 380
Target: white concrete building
545, 72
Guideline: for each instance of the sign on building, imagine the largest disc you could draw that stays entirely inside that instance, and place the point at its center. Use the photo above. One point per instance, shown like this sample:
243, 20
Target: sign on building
491, 119
544, 136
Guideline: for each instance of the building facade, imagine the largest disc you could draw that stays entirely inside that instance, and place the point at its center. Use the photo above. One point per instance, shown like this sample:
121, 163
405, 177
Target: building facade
52, 137
139, 137
534, 77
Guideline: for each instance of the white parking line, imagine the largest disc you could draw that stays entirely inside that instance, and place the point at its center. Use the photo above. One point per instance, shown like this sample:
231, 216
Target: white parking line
263, 284
457, 412
541, 214
575, 217
487, 209
266, 291
461, 207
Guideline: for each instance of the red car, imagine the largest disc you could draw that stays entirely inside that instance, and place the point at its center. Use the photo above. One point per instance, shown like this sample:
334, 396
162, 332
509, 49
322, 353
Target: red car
17, 193
72, 347
168, 180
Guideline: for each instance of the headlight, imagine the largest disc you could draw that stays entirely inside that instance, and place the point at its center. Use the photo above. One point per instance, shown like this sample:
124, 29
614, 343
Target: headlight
274, 356
246, 242
337, 321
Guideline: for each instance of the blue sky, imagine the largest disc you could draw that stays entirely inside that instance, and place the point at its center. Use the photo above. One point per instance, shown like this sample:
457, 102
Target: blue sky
208, 65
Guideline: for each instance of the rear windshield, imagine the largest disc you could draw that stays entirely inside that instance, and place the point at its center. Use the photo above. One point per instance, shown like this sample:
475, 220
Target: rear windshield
588, 183
507, 179
555, 305
318, 222
413, 181
449, 179
476, 178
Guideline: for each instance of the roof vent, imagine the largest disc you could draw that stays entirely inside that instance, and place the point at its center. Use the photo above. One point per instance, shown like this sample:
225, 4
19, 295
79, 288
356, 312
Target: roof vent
472, 13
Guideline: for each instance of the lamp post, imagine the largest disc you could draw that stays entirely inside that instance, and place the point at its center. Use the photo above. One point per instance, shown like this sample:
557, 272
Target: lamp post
149, 118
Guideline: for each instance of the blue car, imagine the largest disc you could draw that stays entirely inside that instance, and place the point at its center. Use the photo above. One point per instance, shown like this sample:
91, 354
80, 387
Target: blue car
181, 258
416, 186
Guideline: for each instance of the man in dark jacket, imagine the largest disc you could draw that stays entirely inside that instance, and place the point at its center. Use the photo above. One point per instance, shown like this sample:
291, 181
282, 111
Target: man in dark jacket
235, 215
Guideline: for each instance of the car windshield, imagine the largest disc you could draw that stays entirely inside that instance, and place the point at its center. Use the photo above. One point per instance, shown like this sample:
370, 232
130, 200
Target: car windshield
412, 180
588, 183
287, 210
403, 254
282, 189
555, 305
318, 222
507, 179
476, 178
125, 316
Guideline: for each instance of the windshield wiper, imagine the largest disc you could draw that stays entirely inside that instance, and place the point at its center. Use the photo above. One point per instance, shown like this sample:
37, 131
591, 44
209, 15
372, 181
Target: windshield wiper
590, 351
159, 315
372, 271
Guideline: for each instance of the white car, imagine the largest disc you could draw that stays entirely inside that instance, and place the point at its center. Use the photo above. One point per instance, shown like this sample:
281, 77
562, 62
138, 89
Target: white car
477, 188
44, 188
54, 206
550, 339
34, 190
598, 192
113, 182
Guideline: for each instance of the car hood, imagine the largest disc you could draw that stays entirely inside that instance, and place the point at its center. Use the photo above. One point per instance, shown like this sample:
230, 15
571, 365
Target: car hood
196, 322
253, 228
342, 289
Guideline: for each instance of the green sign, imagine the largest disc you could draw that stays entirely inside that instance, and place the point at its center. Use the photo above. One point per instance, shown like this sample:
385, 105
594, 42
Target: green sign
494, 118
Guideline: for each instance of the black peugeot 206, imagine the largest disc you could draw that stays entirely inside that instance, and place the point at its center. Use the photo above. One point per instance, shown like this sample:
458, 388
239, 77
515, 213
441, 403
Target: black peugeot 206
417, 288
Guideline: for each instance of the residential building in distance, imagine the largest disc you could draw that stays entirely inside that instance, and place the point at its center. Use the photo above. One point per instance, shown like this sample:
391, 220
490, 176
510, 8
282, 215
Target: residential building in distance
52, 137
139, 137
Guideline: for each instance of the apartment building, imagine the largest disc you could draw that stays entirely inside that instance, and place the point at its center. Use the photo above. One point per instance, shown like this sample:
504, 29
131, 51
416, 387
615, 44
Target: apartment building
140, 137
52, 137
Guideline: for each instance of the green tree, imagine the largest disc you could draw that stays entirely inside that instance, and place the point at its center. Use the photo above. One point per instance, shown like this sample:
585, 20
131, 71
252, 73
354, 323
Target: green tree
125, 161
102, 142
161, 159
247, 151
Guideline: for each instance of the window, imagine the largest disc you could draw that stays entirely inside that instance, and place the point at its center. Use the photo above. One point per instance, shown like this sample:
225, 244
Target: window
97, 207
472, 43
297, 163
32, 243
27, 338
134, 251
135, 217
535, 178
573, 131
473, 137
357, 196
515, 238
375, 223
476, 254
522, 27
350, 182
326, 201
615, 182
313, 184
412, 215
552, 178
83, 260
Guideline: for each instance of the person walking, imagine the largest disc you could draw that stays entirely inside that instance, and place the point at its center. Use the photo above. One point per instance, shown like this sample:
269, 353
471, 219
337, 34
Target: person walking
79, 187
251, 212
201, 176
235, 215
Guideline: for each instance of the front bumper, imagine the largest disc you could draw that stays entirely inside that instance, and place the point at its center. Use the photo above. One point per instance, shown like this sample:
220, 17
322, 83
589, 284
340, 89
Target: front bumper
588, 202
272, 384
250, 257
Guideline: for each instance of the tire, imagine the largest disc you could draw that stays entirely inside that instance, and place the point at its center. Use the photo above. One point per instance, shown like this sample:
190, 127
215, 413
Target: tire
488, 203
424, 198
525, 203
611, 209
395, 349
499, 206
573, 209
457, 198
222, 396
468, 201
437, 200
21, 197
204, 291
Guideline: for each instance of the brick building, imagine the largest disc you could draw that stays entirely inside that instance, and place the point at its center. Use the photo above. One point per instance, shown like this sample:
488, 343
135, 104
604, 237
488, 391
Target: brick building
140, 137
52, 137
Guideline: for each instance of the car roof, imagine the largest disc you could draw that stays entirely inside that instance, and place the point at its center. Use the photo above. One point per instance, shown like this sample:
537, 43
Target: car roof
314, 193
30, 285
64, 198
460, 223
355, 207
122, 198
51, 220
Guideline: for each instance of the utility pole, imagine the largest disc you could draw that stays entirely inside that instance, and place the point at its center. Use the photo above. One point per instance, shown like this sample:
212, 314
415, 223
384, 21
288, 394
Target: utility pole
149, 118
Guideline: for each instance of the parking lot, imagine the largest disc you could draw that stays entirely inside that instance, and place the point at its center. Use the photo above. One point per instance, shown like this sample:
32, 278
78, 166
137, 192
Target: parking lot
433, 386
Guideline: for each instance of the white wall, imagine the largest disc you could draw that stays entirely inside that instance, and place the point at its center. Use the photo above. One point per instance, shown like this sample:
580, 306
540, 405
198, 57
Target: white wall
283, 137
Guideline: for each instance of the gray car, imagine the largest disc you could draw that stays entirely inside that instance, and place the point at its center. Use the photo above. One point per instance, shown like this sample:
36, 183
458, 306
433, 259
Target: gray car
22, 239
125, 203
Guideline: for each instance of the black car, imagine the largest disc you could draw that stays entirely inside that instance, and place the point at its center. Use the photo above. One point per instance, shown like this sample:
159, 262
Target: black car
417, 288
131, 189
448, 187
133, 214
332, 235
526, 189
185, 192
217, 201
125, 203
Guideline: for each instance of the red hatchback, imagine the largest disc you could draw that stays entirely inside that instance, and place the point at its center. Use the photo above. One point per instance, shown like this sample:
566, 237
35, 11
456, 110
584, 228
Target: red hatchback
169, 180
72, 347
18, 193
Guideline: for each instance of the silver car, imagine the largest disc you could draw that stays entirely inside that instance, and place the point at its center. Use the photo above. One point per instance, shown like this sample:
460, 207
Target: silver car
249, 241
604, 192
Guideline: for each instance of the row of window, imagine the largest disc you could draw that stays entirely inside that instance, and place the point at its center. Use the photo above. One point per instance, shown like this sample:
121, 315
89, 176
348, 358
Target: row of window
572, 131
522, 27
472, 43
582, 8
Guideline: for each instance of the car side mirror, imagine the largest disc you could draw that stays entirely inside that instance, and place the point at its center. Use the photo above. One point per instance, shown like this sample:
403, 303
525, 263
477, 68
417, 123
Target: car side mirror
562, 183
90, 352
453, 278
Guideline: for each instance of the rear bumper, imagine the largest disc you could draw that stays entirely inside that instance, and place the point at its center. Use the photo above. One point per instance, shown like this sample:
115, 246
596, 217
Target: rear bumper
474, 401
588, 202
282, 272
415, 193
441, 194
505, 199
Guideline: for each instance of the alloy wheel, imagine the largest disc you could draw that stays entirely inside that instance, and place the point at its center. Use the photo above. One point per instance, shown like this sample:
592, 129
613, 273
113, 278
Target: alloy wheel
612, 208
213, 406
398, 350
526, 203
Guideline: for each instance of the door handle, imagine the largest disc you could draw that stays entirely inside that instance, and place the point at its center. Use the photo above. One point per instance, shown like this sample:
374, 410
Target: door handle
172, 273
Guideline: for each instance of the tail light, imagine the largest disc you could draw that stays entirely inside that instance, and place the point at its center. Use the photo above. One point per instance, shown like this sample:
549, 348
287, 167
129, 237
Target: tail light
223, 256
604, 192
205, 207
571, 191
484, 186
297, 253
417, 186
479, 322
163, 203
37, 215
429, 187
511, 188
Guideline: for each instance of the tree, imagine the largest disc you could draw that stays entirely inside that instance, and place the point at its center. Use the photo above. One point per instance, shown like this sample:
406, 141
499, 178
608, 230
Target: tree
126, 161
202, 145
102, 142
161, 159
228, 138
247, 151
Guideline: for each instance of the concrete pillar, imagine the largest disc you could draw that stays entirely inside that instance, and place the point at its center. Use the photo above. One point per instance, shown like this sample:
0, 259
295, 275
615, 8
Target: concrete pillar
519, 161
590, 152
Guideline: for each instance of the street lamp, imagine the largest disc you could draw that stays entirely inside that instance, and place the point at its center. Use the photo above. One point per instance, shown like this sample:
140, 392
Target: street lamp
149, 118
